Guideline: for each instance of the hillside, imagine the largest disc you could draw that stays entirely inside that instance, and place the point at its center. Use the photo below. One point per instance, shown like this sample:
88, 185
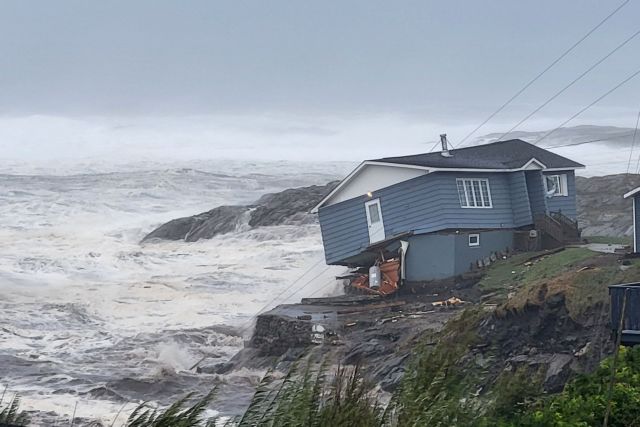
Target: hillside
530, 325
602, 211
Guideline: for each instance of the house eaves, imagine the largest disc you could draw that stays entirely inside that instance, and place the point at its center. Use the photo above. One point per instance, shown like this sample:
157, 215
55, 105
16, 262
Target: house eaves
632, 193
527, 166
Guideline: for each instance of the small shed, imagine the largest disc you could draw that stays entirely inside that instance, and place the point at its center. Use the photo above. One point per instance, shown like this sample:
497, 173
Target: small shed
625, 316
635, 196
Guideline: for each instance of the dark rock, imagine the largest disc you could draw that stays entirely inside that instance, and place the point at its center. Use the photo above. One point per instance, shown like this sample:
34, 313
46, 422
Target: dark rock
216, 368
287, 207
558, 372
279, 208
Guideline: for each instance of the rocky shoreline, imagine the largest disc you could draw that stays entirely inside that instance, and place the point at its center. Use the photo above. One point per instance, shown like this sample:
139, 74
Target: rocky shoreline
601, 211
288, 207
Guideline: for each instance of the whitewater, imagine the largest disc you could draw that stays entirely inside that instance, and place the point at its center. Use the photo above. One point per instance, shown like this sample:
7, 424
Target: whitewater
92, 321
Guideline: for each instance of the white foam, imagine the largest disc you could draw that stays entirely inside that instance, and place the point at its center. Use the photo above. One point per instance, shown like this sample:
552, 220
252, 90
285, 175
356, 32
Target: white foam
82, 298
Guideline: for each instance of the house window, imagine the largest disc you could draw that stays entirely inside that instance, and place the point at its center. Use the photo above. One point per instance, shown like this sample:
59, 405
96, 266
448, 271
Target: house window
556, 185
474, 193
474, 240
374, 213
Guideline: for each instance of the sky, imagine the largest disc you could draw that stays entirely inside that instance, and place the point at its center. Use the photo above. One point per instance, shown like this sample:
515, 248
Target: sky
297, 79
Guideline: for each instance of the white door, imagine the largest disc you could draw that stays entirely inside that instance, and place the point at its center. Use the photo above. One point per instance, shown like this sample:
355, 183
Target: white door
374, 220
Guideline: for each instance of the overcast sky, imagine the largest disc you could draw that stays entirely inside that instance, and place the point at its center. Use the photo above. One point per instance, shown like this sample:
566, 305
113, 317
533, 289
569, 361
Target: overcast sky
306, 70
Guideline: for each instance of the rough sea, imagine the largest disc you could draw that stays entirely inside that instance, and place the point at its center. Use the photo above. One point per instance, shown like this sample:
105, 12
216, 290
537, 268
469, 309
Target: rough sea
92, 321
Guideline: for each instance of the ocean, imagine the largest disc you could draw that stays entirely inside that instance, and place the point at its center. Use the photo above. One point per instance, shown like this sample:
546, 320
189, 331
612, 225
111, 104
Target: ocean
92, 321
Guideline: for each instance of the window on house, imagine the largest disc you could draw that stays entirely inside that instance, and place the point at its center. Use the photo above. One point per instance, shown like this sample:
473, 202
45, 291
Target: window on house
474, 240
474, 193
556, 185
374, 214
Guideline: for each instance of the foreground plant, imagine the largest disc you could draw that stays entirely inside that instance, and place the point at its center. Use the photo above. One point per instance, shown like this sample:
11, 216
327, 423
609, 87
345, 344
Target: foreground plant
174, 416
10, 414
304, 397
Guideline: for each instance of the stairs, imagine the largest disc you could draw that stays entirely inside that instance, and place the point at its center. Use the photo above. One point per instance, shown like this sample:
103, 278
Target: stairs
560, 228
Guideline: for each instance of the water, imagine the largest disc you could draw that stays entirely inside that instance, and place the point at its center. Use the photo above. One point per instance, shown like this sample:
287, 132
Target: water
88, 316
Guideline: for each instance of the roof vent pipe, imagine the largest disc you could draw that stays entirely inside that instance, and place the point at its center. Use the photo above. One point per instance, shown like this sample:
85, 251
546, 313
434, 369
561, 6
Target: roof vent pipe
445, 149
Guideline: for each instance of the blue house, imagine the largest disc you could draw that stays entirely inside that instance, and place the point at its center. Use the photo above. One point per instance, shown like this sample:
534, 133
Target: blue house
456, 209
635, 197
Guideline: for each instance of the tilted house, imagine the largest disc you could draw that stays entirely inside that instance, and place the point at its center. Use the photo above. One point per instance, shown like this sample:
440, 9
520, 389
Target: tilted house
454, 208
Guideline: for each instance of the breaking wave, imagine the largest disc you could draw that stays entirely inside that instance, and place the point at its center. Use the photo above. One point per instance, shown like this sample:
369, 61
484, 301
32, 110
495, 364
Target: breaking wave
89, 316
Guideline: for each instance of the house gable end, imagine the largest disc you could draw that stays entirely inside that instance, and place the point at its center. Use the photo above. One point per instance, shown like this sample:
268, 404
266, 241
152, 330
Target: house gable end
369, 177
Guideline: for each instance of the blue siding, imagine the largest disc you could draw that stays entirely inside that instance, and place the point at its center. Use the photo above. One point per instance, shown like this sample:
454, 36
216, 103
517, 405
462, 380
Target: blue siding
520, 199
344, 229
441, 255
490, 242
564, 204
537, 192
430, 257
636, 223
424, 204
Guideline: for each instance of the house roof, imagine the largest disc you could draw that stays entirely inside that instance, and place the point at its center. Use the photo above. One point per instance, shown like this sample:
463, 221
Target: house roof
511, 154
632, 192
501, 156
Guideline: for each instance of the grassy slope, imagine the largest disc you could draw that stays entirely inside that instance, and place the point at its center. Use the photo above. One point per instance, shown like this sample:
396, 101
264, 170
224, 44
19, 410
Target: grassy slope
509, 275
454, 381
614, 240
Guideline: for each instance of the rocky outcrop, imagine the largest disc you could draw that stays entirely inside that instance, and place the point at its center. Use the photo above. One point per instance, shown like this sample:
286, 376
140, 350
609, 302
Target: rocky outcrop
601, 209
287, 207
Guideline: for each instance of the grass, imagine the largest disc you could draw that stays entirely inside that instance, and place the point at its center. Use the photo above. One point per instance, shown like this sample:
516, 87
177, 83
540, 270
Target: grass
507, 275
614, 240
308, 396
584, 284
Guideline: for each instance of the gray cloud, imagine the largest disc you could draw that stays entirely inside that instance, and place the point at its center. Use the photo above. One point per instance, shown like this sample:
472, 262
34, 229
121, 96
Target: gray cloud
441, 60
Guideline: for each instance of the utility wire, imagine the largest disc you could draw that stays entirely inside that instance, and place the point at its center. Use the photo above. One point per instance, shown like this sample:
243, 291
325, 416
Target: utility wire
247, 323
574, 81
558, 59
590, 105
570, 144
434, 146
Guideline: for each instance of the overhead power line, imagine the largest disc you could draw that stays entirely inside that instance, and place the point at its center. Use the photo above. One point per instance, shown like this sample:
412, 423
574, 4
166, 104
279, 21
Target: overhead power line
570, 144
247, 323
553, 63
574, 81
600, 98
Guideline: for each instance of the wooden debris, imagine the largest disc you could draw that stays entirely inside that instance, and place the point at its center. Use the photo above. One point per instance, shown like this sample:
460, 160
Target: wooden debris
451, 302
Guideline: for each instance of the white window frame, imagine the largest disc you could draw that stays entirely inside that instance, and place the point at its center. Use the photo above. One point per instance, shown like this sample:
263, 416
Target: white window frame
477, 243
467, 197
562, 189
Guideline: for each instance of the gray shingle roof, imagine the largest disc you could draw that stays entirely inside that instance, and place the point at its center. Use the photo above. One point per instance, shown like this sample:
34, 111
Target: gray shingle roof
511, 154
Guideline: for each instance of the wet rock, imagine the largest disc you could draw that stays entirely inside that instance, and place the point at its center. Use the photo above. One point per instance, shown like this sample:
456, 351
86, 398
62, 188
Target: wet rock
286, 207
365, 350
558, 372
215, 368
275, 334
223, 219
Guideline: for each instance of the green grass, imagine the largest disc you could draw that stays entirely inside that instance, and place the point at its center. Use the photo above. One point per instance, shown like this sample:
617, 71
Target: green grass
507, 275
614, 240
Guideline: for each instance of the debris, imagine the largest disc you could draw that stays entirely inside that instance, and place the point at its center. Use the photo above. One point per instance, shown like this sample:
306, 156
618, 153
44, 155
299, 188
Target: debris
583, 350
304, 317
585, 268
453, 301
351, 324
